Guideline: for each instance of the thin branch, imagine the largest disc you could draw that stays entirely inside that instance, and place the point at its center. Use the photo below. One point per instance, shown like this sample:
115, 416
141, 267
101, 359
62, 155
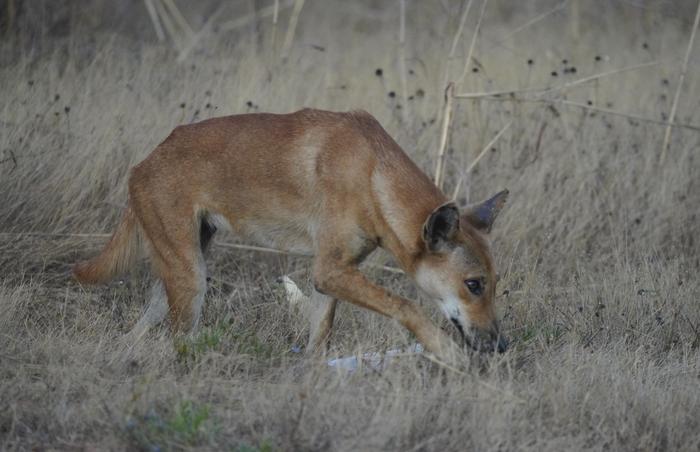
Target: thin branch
568, 103
533, 21
496, 94
458, 34
154, 19
168, 23
202, 32
616, 113
455, 40
293, 19
446, 121
599, 76
542, 91
263, 249
488, 146
179, 18
478, 157
473, 44
260, 249
275, 12
275, 16
263, 12
681, 79
96, 235
402, 59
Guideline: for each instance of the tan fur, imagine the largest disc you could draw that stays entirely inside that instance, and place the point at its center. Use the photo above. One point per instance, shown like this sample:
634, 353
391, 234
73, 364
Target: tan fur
119, 254
333, 184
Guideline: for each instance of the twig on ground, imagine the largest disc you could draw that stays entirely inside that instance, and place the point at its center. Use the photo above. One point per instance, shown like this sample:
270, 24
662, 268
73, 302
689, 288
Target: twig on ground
681, 79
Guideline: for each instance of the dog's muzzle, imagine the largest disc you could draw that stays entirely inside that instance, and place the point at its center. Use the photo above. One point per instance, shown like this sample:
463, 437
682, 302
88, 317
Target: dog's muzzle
482, 341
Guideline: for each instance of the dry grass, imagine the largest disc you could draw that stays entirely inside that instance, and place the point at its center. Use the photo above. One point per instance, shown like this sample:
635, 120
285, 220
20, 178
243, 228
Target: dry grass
597, 248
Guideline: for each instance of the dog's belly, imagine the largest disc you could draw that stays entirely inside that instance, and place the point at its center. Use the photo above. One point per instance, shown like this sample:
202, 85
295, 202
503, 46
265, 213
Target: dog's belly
293, 233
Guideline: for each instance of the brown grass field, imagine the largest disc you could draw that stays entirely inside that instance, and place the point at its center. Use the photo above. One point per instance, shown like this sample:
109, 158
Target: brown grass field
597, 248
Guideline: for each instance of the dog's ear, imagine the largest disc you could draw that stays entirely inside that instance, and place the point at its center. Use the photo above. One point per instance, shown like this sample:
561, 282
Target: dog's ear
482, 215
441, 226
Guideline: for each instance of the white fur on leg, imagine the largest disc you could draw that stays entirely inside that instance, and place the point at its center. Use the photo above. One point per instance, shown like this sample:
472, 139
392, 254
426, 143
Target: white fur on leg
321, 314
198, 302
155, 312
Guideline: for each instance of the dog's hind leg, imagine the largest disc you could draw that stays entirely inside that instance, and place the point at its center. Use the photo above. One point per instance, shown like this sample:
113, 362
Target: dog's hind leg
155, 313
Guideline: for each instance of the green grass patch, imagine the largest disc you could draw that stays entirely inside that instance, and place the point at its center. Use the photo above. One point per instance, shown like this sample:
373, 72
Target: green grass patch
221, 337
264, 446
186, 424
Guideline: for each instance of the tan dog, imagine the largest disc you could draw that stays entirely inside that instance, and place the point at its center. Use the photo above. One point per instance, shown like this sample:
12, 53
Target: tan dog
332, 184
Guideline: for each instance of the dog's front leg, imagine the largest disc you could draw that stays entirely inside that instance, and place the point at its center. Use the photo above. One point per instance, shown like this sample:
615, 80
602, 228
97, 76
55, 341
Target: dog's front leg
347, 283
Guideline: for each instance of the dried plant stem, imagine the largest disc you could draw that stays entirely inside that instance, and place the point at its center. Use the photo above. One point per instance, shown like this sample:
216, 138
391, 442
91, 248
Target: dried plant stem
615, 113
681, 79
473, 43
575, 20
263, 249
495, 94
275, 16
534, 20
168, 23
568, 103
458, 34
179, 18
154, 19
15, 235
455, 40
487, 147
402, 59
263, 12
446, 121
542, 91
206, 29
98, 235
11, 13
478, 157
291, 28
275, 12
599, 76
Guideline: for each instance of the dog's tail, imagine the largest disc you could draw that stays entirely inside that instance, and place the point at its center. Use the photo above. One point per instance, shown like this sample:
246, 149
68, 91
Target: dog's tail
119, 254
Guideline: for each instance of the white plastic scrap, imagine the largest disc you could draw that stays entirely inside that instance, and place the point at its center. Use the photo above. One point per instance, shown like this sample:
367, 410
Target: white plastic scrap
373, 360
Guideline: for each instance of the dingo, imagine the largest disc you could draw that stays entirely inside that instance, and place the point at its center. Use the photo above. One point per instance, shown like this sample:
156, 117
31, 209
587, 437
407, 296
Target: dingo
332, 184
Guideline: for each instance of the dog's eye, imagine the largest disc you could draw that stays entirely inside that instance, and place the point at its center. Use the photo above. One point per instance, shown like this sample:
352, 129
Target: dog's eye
475, 286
